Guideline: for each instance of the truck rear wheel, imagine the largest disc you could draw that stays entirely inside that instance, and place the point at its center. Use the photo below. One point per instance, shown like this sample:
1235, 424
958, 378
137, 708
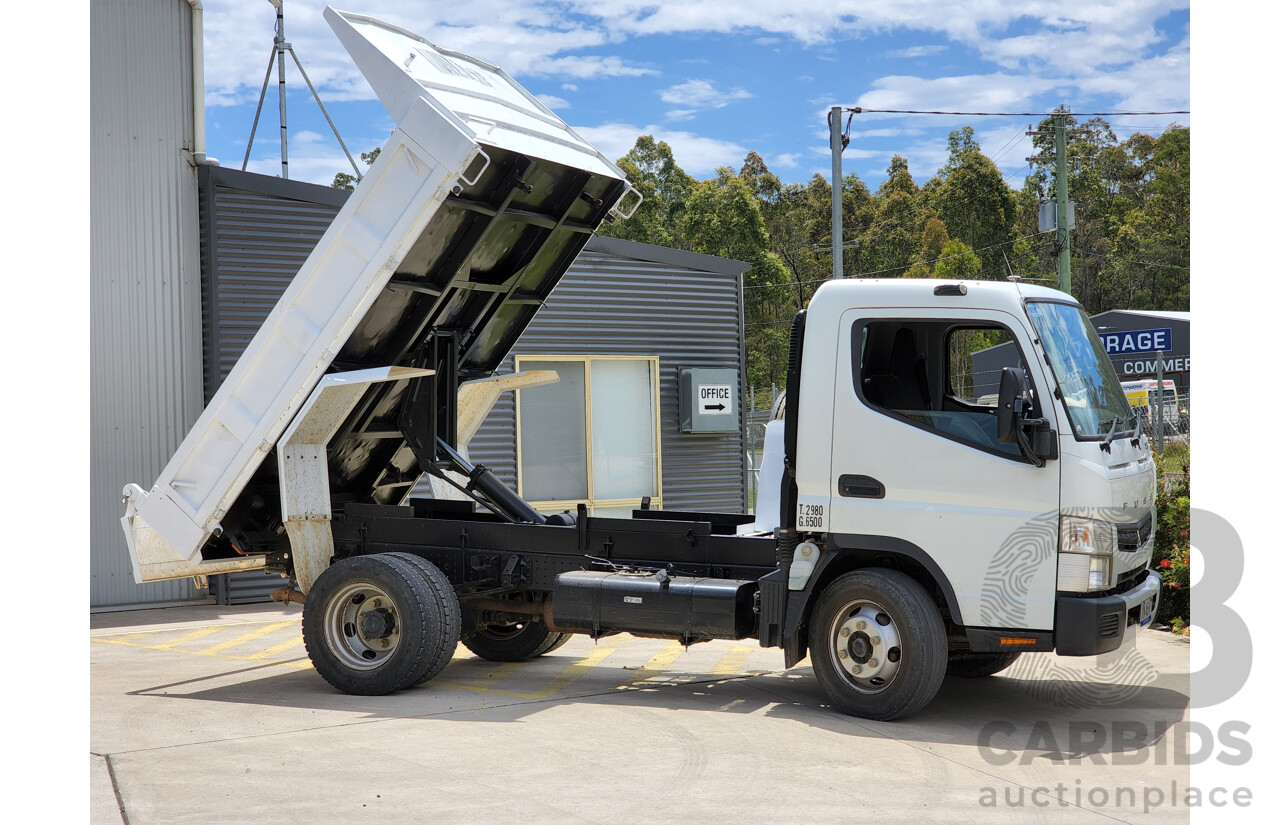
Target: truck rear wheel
374, 624
514, 642
975, 665
878, 644
449, 603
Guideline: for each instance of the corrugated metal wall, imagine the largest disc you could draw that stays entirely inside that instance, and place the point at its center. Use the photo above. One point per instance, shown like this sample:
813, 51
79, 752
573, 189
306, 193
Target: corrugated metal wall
145, 362
613, 301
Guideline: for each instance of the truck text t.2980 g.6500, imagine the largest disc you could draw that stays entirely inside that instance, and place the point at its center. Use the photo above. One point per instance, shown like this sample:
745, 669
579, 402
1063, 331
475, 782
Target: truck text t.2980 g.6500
914, 530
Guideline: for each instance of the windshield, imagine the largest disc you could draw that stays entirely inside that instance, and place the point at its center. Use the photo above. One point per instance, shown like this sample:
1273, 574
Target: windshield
1090, 389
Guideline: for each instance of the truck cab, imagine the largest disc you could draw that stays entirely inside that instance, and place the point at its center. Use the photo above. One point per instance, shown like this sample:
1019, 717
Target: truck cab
1030, 534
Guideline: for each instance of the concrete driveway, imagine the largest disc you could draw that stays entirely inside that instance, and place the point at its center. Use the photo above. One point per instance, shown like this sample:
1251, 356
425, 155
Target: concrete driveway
213, 714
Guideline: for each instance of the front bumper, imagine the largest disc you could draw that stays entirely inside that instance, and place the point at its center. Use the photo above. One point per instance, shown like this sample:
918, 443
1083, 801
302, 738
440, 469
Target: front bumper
1088, 626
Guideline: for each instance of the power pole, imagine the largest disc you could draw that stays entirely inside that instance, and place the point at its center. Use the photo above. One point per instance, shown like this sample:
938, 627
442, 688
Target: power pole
1064, 234
837, 192
281, 45
278, 48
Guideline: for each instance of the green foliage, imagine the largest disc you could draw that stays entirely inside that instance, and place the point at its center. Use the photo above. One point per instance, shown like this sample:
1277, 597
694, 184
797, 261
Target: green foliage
1132, 209
651, 168
1172, 555
342, 180
974, 202
957, 262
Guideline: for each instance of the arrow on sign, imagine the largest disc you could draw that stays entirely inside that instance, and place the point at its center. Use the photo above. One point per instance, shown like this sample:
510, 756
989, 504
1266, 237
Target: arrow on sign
711, 407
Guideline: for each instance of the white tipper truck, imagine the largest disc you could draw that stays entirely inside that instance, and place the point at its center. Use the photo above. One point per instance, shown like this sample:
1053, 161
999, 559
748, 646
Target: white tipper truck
917, 531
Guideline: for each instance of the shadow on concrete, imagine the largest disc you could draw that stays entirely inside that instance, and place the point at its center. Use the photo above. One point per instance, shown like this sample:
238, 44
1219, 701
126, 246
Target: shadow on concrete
1056, 718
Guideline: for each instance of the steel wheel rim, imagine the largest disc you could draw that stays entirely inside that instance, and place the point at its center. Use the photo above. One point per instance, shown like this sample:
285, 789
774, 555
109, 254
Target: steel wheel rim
362, 626
503, 632
866, 646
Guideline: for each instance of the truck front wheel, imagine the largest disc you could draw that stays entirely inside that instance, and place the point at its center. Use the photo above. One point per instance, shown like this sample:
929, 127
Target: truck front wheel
374, 624
878, 644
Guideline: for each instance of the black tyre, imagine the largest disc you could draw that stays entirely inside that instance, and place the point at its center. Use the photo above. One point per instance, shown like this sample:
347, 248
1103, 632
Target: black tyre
878, 645
516, 642
449, 603
374, 624
975, 665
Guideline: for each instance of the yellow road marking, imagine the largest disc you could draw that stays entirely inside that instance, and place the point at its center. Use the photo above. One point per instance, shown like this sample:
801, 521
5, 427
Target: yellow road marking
578, 669
198, 633
659, 662
247, 637
731, 662
278, 649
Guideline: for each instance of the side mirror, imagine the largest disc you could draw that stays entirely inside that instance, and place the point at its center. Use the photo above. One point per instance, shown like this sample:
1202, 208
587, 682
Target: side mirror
1011, 406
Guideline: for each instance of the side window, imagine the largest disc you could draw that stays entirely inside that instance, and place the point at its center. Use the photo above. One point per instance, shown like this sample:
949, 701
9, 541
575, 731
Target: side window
938, 375
976, 384
593, 437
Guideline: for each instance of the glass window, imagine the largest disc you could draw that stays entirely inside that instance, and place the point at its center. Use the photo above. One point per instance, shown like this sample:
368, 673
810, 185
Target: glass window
593, 437
555, 461
925, 372
1091, 392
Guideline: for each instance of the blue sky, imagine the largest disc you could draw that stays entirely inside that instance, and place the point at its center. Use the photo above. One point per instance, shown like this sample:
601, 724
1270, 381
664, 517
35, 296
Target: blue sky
719, 79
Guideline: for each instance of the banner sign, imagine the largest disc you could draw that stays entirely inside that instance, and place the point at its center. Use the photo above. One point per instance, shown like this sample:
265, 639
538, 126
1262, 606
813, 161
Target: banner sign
1137, 340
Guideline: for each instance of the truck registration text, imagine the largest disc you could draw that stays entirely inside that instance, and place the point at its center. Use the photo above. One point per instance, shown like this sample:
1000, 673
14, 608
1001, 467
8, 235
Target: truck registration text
810, 517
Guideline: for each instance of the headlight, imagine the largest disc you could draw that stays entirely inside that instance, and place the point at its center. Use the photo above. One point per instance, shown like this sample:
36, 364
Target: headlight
1085, 548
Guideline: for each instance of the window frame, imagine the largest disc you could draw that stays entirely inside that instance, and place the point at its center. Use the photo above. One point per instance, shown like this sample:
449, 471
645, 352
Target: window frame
857, 341
655, 501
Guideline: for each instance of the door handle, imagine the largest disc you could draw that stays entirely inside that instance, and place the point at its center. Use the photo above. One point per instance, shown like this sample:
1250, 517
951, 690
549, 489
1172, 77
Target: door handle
852, 486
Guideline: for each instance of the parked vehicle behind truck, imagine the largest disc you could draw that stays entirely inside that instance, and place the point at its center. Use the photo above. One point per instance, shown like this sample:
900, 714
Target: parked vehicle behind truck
917, 531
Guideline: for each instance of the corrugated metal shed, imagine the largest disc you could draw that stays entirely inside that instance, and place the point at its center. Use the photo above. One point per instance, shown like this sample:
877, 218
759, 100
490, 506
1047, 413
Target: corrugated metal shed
145, 359
618, 298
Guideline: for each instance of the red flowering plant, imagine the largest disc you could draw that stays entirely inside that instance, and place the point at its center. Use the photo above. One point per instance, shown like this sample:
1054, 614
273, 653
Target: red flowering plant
1172, 556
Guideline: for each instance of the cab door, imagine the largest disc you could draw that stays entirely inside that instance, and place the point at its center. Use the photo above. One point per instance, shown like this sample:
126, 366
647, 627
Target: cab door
915, 460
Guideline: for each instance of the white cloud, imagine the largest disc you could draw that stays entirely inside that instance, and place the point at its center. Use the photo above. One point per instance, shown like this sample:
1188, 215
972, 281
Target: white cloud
681, 114
786, 160
569, 87
991, 92
917, 51
700, 94
312, 164
696, 154
553, 103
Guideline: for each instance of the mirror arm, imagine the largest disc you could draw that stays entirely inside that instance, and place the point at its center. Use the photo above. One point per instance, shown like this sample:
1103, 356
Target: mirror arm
1024, 443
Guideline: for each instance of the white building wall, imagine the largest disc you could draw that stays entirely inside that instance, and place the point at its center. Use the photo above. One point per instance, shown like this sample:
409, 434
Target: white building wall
145, 333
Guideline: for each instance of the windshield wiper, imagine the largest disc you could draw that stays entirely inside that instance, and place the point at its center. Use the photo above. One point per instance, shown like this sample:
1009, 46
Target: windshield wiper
1111, 435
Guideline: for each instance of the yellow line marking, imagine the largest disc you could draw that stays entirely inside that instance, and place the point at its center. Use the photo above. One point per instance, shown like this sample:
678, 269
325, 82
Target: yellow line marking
280, 648
199, 633
659, 662
247, 637
497, 674
731, 662
578, 669
125, 639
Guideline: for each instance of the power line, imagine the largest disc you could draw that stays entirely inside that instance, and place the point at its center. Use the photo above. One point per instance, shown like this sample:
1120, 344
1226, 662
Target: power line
859, 110
905, 266
1131, 261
